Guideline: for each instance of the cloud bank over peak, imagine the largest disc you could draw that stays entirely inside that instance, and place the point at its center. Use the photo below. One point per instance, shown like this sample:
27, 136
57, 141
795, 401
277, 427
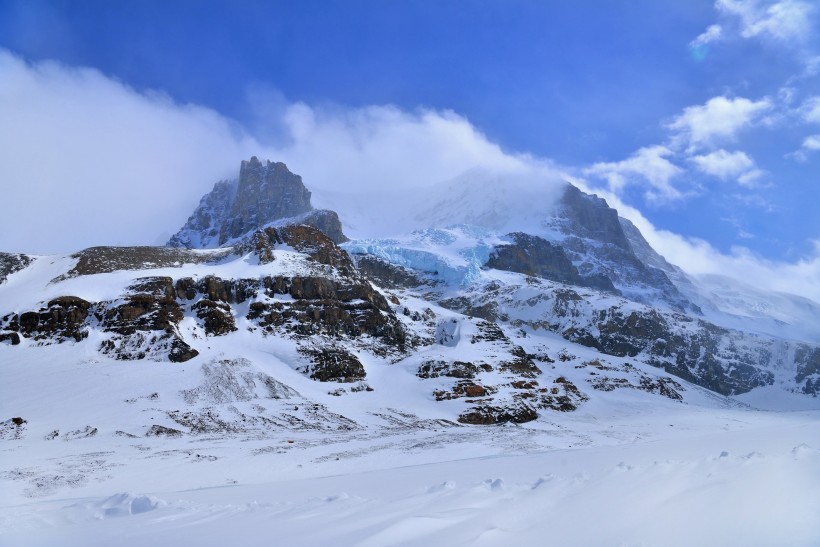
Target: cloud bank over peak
87, 160
370, 148
91, 161
86, 157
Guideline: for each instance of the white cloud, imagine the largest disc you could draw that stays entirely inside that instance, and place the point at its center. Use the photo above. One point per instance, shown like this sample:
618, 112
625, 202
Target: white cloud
711, 34
724, 164
88, 161
812, 143
751, 178
783, 20
811, 110
812, 67
720, 118
368, 163
378, 146
648, 166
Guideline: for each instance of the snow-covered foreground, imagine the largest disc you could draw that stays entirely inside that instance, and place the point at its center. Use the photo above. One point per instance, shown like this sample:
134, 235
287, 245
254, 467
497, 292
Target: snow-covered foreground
676, 475
239, 446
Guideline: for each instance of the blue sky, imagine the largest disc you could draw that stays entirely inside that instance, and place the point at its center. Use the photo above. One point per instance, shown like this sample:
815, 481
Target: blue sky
702, 115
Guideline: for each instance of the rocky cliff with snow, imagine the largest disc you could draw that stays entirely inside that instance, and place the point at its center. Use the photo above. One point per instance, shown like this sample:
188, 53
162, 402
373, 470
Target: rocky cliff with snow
267, 299
263, 193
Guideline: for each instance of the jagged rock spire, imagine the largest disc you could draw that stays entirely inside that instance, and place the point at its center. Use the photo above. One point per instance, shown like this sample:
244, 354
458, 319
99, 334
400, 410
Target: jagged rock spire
265, 192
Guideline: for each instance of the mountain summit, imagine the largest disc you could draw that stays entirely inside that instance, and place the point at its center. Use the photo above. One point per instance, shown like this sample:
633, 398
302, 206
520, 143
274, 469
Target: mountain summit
264, 193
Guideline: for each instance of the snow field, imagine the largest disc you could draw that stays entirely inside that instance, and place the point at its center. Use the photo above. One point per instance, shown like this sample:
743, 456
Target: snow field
754, 484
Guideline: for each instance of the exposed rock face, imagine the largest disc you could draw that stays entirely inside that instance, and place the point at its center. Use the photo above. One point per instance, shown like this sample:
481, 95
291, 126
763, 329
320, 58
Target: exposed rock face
263, 194
325, 221
562, 396
342, 306
665, 387
727, 361
216, 317
11, 337
61, 320
321, 306
150, 305
204, 225
95, 260
11, 263
596, 243
500, 388
266, 192
326, 299
533, 255
808, 368
146, 323
317, 245
648, 256
454, 369
389, 275
329, 364
590, 217
162, 431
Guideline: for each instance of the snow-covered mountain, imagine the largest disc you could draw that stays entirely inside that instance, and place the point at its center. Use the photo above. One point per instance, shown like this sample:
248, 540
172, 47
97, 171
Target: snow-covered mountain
268, 266
261, 319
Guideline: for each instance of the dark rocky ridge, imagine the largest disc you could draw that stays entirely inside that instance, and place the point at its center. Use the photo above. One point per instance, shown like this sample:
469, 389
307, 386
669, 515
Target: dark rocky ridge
481, 384
533, 255
264, 193
807, 359
595, 241
204, 225
333, 302
11, 263
390, 276
95, 260
723, 360
590, 217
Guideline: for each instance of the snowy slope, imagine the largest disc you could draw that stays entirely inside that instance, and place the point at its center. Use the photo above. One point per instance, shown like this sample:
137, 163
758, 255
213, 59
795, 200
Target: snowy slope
631, 461
402, 391
730, 302
726, 354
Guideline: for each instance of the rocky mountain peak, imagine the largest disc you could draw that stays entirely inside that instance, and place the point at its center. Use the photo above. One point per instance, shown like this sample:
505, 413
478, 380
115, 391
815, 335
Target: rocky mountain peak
588, 216
265, 192
601, 244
